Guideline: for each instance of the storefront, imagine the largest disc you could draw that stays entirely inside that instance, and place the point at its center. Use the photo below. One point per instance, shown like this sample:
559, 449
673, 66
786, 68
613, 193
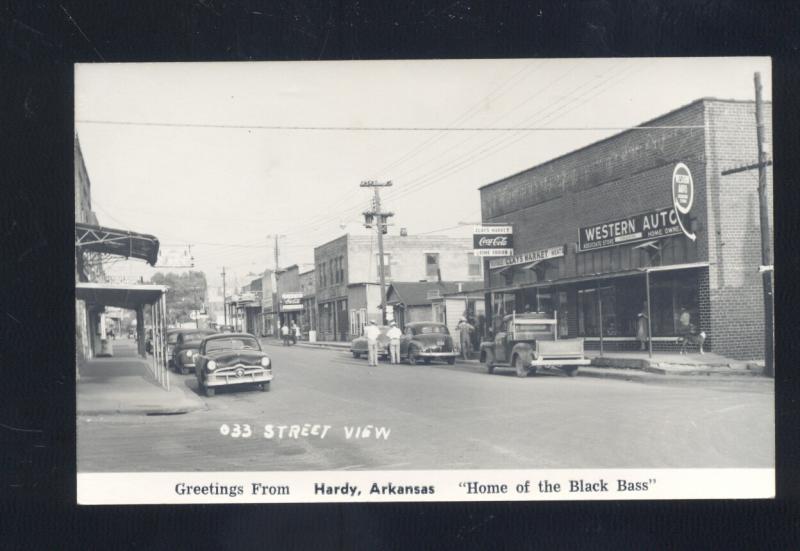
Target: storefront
639, 238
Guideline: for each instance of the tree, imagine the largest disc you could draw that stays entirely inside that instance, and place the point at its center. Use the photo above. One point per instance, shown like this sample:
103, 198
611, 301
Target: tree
187, 292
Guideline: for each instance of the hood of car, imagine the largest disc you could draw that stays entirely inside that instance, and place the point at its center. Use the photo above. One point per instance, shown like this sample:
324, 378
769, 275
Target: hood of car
233, 357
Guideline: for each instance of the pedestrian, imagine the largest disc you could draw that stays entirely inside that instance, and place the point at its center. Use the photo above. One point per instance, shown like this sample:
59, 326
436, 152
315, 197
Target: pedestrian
371, 332
394, 335
642, 328
296, 333
465, 330
285, 334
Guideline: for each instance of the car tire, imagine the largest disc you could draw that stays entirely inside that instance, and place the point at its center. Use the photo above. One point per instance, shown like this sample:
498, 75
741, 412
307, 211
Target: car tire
427, 361
264, 387
571, 371
451, 361
184, 371
412, 356
356, 355
210, 391
519, 366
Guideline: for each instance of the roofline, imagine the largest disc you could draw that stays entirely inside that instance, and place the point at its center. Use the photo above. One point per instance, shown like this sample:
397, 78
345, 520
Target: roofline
705, 99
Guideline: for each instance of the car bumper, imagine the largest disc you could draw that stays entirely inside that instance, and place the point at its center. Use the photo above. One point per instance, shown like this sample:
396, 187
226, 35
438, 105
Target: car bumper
557, 362
436, 355
250, 376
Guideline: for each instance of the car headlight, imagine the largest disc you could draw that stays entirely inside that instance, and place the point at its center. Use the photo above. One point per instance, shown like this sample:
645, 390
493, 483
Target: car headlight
212, 365
189, 353
265, 361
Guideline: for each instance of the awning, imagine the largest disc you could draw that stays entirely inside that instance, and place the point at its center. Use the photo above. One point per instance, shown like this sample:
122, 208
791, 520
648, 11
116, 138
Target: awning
121, 296
601, 276
117, 242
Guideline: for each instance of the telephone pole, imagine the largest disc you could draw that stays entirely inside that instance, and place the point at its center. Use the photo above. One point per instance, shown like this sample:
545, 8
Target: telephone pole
224, 299
766, 258
276, 250
380, 219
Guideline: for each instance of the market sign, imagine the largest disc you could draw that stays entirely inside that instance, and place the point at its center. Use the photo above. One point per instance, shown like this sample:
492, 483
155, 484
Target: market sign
683, 196
528, 258
291, 302
493, 240
641, 227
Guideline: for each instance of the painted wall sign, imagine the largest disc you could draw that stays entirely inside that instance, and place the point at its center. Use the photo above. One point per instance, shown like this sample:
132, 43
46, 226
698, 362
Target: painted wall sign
641, 227
527, 258
493, 240
683, 197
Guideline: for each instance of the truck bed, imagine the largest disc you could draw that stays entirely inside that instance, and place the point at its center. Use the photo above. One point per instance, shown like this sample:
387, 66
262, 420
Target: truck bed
561, 352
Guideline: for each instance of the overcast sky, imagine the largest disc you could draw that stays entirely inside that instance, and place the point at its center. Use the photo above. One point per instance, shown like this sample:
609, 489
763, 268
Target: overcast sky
223, 190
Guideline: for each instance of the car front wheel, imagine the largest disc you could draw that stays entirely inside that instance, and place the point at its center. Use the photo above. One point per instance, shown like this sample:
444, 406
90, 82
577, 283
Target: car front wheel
412, 356
356, 355
489, 359
264, 387
451, 361
210, 391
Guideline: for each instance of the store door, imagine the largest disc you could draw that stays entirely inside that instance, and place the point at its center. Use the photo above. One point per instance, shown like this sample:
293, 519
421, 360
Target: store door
342, 320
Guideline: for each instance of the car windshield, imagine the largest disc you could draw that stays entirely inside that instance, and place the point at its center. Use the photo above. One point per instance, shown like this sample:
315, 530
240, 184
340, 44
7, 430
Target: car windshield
172, 338
194, 338
429, 329
232, 343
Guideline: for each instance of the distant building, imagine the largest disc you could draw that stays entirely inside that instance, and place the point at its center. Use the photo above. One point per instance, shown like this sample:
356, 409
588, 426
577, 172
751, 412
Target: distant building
348, 281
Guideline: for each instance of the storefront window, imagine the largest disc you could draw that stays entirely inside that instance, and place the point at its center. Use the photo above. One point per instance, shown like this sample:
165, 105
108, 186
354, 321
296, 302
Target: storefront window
668, 296
589, 312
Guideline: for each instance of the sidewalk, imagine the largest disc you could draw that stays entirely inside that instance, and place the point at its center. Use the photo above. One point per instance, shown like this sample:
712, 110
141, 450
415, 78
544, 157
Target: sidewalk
124, 384
628, 366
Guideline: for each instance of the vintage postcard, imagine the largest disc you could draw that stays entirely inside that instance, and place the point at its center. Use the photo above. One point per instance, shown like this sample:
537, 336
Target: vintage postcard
461, 280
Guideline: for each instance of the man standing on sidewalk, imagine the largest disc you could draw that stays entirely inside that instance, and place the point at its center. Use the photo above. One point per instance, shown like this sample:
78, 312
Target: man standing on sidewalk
372, 332
394, 335
285, 334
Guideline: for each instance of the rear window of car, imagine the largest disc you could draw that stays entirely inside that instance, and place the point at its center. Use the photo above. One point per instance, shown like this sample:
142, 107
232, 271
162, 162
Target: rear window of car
235, 343
194, 338
428, 329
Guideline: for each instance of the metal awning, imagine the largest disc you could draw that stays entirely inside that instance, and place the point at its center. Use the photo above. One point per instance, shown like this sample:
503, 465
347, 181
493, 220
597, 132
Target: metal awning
121, 296
117, 242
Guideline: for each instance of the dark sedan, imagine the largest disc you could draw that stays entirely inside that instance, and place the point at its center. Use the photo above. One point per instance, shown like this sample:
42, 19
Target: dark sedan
232, 359
186, 345
422, 341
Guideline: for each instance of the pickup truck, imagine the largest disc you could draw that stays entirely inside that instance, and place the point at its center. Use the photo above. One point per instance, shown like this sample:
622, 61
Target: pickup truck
529, 341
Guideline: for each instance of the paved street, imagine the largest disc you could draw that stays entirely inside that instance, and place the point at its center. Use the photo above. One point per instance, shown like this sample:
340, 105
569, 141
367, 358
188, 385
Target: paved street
440, 417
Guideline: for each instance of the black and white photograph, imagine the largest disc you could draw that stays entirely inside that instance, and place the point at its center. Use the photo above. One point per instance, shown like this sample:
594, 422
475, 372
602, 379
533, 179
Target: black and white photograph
424, 280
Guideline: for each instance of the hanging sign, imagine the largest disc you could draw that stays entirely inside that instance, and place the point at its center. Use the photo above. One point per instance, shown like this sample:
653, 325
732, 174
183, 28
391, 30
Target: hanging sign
683, 197
493, 240
291, 302
527, 258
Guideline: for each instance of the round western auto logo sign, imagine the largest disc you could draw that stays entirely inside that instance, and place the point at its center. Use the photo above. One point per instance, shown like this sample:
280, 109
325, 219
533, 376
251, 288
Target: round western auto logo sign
683, 196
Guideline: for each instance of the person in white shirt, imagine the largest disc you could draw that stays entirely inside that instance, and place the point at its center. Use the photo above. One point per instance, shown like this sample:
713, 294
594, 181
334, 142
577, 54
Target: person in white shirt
394, 335
285, 334
372, 332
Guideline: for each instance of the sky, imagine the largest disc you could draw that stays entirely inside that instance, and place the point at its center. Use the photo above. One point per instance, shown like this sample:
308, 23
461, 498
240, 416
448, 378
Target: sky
209, 173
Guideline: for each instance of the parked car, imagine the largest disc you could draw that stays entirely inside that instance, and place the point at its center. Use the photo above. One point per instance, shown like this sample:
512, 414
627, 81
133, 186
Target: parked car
529, 341
231, 359
421, 341
187, 344
358, 347
172, 339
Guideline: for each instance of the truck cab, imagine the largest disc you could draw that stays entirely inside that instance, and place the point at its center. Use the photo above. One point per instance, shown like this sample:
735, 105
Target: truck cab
529, 341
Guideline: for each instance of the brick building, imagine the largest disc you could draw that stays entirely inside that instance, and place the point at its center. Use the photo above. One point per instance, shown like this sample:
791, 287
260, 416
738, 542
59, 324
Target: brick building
347, 275
594, 228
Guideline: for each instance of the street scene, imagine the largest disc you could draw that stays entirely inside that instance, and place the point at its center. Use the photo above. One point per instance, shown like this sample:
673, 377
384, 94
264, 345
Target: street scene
429, 265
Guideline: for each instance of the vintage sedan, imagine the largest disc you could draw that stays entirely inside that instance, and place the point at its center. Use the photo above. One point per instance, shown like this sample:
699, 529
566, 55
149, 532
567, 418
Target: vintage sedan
426, 341
358, 347
187, 343
421, 341
231, 359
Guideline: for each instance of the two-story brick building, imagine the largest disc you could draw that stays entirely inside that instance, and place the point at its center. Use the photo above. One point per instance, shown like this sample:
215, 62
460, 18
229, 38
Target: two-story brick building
596, 232
347, 275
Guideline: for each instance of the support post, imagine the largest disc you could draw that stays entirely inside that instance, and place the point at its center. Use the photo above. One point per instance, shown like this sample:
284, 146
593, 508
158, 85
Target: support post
379, 224
141, 334
763, 207
649, 316
600, 315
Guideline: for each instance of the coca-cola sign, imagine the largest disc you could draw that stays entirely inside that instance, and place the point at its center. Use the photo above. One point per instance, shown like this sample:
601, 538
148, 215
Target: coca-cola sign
493, 241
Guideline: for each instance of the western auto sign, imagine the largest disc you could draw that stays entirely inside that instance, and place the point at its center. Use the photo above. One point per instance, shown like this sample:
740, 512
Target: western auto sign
527, 258
493, 240
641, 227
683, 197
291, 302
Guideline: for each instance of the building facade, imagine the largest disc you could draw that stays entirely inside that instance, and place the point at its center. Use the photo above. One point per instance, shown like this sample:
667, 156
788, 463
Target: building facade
347, 275
596, 232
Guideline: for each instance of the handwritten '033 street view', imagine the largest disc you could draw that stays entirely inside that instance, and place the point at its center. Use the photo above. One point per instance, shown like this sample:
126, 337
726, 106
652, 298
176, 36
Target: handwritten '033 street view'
494, 264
